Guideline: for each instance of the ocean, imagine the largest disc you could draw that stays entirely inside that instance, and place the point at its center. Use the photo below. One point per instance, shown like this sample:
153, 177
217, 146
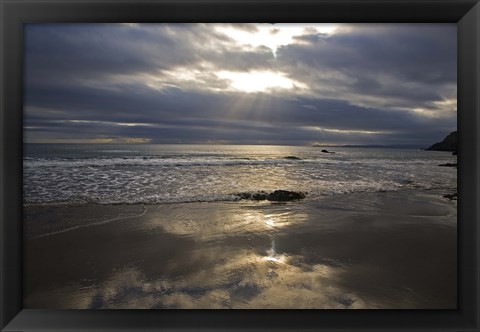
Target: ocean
158, 174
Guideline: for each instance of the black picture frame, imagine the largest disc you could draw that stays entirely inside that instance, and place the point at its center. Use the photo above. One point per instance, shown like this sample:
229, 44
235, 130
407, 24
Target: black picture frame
15, 13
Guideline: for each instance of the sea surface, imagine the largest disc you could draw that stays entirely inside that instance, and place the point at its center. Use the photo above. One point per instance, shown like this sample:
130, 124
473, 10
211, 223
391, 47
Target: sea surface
150, 174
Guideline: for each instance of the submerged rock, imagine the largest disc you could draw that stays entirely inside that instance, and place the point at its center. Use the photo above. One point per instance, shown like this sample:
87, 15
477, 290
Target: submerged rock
293, 158
448, 165
277, 195
453, 197
244, 195
326, 151
285, 195
259, 196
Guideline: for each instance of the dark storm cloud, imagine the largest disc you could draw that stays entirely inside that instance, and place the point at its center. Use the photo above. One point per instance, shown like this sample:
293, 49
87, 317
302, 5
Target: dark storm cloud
414, 52
90, 81
71, 53
205, 115
405, 65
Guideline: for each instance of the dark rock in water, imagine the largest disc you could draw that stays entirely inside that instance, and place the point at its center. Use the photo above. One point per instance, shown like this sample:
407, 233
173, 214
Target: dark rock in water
244, 195
277, 195
285, 195
293, 158
448, 165
260, 196
454, 153
448, 144
326, 151
453, 197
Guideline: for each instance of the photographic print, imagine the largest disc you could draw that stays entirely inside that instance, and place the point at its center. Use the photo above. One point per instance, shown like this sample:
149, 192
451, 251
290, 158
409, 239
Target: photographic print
240, 166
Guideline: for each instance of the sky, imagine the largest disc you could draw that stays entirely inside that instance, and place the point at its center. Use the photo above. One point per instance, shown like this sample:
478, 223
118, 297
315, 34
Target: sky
280, 84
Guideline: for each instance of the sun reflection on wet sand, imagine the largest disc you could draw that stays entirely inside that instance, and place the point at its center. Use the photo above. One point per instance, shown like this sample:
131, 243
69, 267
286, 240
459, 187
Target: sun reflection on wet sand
269, 221
215, 220
272, 255
275, 258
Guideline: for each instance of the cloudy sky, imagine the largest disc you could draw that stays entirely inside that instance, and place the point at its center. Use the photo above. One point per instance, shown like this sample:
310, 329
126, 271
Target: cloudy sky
292, 84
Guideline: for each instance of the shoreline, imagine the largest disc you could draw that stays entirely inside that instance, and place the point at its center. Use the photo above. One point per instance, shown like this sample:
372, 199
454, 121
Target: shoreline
361, 250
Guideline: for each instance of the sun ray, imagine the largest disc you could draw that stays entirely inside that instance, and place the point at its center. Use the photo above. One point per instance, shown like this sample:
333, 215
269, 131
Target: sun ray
259, 81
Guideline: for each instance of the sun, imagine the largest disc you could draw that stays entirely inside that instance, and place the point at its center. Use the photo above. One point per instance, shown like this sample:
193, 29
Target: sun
274, 35
259, 81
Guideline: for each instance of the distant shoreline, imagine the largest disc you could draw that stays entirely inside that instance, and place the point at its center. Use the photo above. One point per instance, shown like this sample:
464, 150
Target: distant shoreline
423, 147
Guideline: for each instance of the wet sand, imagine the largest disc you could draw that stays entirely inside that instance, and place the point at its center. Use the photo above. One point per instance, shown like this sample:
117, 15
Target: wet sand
378, 250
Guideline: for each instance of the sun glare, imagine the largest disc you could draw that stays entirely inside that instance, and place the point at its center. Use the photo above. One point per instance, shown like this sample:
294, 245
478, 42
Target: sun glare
258, 81
274, 35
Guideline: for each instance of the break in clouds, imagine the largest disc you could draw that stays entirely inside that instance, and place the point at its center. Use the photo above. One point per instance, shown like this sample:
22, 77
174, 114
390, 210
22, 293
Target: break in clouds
292, 84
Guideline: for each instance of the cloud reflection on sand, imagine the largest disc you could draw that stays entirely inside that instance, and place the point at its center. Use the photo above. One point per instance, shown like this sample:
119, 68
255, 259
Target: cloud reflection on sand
223, 273
249, 281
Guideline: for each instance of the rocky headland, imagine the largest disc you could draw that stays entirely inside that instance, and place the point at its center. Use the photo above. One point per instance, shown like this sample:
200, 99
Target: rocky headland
449, 143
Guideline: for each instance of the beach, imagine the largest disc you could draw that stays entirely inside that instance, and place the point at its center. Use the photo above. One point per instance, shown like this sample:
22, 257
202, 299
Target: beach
240, 166
364, 250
